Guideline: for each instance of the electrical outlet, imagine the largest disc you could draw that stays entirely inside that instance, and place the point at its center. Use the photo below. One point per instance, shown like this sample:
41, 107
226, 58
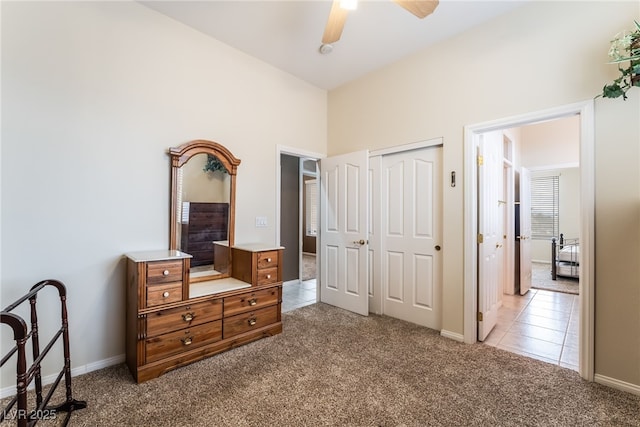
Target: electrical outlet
261, 221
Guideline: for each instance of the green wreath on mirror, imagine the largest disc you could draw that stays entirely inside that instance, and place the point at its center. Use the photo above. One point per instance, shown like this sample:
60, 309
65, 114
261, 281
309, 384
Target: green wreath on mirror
213, 164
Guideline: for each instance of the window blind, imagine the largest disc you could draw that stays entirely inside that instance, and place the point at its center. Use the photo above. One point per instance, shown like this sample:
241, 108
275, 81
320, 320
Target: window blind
311, 212
545, 197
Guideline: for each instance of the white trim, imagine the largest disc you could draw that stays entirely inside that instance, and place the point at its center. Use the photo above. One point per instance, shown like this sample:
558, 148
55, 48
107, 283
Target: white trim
553, 167
470, 227
452, 335
78, 370
301, 230
587, 236
407, 147
298, 152
509, 286
587, 190
617, 384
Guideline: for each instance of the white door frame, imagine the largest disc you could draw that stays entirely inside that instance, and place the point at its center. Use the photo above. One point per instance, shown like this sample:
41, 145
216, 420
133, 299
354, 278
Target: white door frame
509, 223
587, 193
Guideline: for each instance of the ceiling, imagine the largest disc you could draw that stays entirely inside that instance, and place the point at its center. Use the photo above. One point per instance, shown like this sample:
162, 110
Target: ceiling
287, 34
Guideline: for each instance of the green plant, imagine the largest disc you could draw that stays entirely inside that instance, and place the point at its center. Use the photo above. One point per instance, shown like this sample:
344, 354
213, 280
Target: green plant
625, 49
213, 164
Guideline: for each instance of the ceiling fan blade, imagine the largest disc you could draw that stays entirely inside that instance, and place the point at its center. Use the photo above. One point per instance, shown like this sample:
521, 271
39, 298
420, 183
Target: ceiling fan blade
335, 23
420, 8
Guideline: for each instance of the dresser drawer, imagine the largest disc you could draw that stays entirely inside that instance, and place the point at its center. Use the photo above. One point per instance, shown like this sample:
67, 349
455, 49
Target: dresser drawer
164, 321
251, 320
267, 276
250, 301
164, 271
164, 294
268, 259
185, 339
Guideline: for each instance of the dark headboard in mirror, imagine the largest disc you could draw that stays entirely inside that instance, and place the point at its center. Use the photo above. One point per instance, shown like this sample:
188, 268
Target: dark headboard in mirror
202, 216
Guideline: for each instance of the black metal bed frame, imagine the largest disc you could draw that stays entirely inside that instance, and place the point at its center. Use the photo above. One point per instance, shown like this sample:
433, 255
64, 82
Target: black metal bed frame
556, 246
24, 375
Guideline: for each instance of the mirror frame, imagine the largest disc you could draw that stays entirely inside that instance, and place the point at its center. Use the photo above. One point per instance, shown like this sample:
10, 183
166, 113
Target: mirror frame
179, 156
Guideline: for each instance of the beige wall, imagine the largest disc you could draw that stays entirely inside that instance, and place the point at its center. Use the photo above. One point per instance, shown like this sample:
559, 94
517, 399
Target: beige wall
93, 95
617, 239
543, 55
551, 143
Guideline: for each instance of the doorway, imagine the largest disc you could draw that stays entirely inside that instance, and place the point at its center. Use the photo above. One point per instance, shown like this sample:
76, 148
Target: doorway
296, 228
585, 299
537, 315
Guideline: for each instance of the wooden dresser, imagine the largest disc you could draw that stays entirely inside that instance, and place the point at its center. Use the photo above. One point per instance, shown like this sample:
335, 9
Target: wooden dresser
171, 322
254, 264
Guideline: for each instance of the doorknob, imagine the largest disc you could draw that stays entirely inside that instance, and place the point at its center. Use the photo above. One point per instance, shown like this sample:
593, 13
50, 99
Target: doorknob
359, 242
437, 247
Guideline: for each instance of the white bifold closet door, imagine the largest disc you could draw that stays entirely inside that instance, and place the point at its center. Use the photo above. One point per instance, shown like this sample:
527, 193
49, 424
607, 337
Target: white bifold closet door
411, 235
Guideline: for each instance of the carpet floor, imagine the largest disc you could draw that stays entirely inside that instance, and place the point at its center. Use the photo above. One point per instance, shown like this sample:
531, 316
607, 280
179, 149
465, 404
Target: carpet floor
331, 367
308, 266
541, 279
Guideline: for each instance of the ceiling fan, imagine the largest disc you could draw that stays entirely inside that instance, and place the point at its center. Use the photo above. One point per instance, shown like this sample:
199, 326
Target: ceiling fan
340, 9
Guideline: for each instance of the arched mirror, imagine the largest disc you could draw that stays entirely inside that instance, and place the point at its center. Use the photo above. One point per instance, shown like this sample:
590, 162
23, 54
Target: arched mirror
202, 217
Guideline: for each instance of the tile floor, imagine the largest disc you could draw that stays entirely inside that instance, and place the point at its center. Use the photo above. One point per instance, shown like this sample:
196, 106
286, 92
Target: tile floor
296, 295
541, 324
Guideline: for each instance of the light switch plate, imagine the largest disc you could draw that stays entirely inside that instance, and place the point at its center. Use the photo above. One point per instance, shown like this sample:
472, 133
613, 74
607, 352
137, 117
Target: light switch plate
261, 221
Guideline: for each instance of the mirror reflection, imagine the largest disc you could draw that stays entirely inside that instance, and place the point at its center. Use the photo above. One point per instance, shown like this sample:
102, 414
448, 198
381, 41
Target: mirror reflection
203, 202
202, 215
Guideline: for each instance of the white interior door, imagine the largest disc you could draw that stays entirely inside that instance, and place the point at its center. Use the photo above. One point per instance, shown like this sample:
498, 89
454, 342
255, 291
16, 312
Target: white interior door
411, 236
490, 230
344, 204
525, 231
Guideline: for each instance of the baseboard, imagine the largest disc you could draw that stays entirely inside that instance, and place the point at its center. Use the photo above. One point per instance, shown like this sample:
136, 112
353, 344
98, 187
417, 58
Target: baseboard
614, 383
78, 370
452, 335
292, 282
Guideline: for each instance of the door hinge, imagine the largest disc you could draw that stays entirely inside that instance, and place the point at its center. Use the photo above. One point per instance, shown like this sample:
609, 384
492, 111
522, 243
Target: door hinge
480, 160
480, 238
479, 316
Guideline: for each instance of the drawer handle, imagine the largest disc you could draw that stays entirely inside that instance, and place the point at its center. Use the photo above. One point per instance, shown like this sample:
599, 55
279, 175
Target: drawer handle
187, 340
252, 321
165, 273
188, 317
253, 301
268, 259
268, 276
165, 294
